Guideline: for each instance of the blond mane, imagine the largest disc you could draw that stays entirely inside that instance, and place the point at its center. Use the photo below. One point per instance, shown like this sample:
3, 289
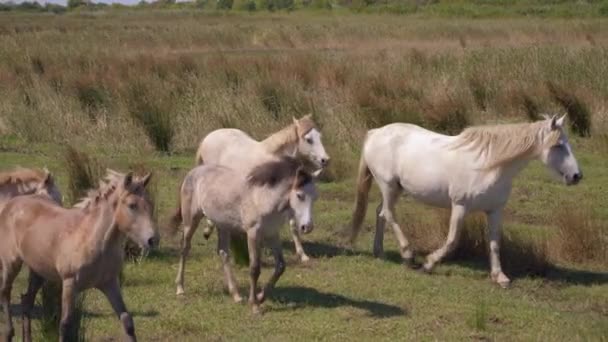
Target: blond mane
289, 135
500, 144
106, 188
21, 175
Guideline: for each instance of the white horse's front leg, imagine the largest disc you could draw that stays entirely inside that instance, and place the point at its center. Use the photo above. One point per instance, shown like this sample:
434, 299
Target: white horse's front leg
295, 234
456, 220
494, 225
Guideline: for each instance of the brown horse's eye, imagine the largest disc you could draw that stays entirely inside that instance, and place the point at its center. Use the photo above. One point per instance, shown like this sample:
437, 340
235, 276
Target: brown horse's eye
133, 206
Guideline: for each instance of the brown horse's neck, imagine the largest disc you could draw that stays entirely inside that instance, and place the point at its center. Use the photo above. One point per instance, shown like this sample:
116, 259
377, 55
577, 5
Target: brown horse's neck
105, 233
283, 141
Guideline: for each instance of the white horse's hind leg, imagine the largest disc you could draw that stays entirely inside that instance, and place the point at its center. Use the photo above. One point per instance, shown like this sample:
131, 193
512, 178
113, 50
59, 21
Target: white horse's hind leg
456, 219
189, 229
223, 250
295, 234
390, 194
494, 225
379, 236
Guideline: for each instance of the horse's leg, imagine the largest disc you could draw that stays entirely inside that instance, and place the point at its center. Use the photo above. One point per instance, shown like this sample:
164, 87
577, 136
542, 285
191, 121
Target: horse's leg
390, 194
379, 236
223, 250
494, 225
279, 266
190, 225
112, 293
456, 219
253, 244
208, 230
9, 273
68, 294
295, 234
27, 303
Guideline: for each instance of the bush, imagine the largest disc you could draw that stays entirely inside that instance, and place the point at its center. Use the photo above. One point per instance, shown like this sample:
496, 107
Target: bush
578, 113
153, 113
84, 173
580, 236
224, 4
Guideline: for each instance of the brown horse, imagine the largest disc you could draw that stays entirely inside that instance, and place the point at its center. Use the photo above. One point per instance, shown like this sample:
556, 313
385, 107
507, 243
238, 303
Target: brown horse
82, 247
21, 181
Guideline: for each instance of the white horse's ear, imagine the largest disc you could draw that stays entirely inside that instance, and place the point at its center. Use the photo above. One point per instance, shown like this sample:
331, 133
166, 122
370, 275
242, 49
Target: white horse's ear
295, 121
555, 122
560, 122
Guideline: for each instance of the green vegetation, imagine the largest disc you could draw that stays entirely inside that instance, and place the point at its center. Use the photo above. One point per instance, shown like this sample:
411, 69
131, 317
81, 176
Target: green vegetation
138, 89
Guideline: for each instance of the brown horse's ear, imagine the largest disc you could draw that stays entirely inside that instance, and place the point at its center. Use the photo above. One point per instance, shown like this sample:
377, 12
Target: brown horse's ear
302, 178
128, 180
48, 177
146, 179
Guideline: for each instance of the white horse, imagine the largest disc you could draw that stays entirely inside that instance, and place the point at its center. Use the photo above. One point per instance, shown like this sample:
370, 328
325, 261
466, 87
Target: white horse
235, 149
255, 203
472, 171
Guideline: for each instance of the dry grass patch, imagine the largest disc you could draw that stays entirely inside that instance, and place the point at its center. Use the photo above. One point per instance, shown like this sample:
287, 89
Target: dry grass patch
520, 255
580, 237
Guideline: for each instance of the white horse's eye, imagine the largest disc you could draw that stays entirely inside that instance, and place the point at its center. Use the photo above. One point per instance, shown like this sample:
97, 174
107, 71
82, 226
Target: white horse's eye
309, 140
300, 196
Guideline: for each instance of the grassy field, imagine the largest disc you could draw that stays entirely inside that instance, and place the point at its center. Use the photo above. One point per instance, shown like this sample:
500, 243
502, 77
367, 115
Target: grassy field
142, 88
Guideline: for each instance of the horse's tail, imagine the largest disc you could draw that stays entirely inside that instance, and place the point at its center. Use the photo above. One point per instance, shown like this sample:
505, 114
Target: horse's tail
364, 183
176, 219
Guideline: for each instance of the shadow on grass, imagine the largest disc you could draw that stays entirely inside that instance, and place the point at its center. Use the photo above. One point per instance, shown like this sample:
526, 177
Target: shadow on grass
37, 312
318, 249
305, 296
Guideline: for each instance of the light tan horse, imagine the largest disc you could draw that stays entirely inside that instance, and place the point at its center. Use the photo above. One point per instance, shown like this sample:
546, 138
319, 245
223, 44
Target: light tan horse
257, 204
82, 247
22, 181
235, 149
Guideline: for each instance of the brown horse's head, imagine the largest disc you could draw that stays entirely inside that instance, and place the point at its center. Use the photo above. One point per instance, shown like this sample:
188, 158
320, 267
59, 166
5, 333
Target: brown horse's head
134, 210
47, 187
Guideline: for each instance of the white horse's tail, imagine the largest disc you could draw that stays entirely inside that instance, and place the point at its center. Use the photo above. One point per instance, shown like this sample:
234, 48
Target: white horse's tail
364, 183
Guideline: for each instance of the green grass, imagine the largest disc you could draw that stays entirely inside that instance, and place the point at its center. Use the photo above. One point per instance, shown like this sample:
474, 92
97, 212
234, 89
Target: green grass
354, 296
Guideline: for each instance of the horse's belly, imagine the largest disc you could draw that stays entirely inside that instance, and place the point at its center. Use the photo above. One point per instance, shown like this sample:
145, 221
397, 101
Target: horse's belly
434, 197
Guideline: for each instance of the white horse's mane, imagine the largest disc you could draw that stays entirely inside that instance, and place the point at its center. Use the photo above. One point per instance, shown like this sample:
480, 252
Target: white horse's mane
500, 144
289, 135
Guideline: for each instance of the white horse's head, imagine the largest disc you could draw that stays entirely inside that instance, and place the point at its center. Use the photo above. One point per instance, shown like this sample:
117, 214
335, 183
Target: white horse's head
310, 145
303, 195
557, 154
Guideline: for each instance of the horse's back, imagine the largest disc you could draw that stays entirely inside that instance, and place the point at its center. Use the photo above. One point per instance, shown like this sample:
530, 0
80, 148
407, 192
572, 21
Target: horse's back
414, 158
230, 147
218, 192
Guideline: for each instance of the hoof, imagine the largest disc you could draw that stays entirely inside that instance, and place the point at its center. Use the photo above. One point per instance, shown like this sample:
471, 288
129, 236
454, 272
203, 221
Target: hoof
379, 254
237, 299
180, 291
256, 310
261, 296
412, 264
501, 279
426, 269
304, 258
